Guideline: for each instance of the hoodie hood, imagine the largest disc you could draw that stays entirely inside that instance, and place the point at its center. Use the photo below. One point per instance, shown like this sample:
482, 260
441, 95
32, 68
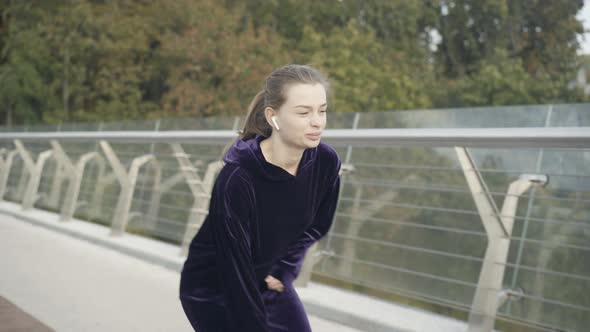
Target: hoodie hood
247, 154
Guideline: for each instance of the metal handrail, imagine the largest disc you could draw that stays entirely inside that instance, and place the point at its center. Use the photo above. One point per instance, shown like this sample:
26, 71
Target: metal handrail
536, 137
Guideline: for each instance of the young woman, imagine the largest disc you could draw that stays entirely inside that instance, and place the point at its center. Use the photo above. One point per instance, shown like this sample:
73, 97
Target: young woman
275, 196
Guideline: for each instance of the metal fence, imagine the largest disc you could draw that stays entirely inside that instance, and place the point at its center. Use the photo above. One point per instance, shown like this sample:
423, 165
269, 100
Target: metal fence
485, 211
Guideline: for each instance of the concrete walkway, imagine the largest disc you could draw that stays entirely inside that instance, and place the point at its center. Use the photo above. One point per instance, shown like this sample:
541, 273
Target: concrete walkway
73, 285
104, 276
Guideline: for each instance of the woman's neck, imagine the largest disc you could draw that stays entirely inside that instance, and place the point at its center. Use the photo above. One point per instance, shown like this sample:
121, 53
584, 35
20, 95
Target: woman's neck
280, 154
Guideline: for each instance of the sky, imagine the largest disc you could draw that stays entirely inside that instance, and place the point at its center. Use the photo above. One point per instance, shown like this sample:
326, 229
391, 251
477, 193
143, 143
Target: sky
584, 16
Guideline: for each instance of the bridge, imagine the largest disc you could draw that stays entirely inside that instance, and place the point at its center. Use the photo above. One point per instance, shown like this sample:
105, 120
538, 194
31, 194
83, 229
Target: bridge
473, 225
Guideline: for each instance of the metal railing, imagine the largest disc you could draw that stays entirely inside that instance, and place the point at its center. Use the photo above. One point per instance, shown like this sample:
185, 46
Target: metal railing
406, 222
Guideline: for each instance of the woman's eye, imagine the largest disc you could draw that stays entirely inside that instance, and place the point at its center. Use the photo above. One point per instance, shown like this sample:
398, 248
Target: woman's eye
322, 111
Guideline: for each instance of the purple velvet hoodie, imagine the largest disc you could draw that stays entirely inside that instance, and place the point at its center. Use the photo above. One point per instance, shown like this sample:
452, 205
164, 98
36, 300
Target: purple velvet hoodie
261, 221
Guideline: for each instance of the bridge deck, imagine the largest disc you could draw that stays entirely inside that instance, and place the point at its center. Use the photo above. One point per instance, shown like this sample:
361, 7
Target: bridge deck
73, 285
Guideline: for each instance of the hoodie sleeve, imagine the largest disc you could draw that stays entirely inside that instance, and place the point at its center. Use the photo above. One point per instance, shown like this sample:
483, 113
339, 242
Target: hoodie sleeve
288, 267
231, 229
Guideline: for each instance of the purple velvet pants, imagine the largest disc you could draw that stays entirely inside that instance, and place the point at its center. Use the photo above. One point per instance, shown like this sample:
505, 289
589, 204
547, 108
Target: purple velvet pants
285, 313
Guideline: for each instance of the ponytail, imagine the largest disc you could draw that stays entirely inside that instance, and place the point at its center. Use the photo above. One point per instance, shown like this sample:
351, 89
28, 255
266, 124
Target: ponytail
255, 121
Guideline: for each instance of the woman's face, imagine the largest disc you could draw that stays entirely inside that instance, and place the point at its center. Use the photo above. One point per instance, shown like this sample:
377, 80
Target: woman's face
302, 118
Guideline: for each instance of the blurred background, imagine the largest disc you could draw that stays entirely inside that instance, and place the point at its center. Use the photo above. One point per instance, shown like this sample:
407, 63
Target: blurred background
65, 61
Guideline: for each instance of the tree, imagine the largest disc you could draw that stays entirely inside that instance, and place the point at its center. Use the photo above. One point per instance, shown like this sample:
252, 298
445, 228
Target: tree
366, 75
220, 64
23, 66
98, 61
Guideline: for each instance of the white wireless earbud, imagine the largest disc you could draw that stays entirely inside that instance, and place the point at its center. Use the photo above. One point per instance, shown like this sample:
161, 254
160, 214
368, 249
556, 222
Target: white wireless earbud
274, 120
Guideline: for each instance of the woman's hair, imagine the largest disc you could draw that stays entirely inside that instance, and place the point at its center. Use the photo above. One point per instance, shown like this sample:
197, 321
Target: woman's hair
273, 95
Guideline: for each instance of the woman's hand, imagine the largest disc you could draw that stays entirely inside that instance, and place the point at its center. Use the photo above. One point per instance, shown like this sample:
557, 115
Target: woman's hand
274, 283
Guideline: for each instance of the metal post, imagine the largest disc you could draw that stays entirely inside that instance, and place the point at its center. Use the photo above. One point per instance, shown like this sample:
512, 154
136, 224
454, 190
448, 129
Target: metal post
5, 171
58, 178
201, 190
498, 228
528, 212
22, 182
76, 173
200, 208
63, 161
127, 182
34, 169
154, 207
102, 181
159, 189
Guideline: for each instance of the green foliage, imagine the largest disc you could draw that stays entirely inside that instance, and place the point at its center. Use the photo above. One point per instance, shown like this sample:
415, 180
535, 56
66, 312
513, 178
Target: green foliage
376, 78
497, 52
219, 62
91, 60
23, 93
